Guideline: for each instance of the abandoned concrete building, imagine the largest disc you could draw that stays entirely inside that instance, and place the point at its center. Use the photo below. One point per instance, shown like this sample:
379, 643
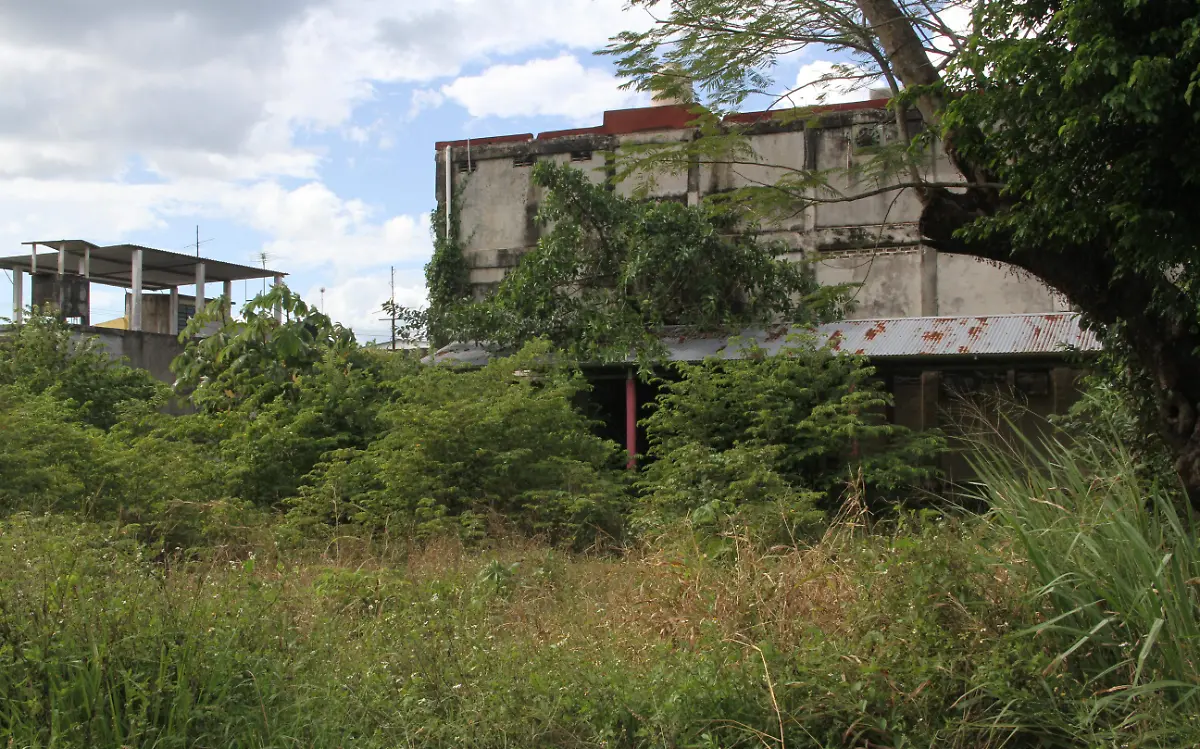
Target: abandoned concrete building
936, 325
155, 311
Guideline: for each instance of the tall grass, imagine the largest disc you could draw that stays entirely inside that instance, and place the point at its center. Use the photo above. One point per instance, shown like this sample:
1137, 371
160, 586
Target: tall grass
1115, 556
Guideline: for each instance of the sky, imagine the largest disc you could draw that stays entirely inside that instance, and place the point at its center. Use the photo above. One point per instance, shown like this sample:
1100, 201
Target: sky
303, 129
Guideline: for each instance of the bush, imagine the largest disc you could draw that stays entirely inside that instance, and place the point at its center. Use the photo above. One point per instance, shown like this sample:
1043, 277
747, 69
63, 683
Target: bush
460, 448
43, 355
791, 429
49, 461
1116, 561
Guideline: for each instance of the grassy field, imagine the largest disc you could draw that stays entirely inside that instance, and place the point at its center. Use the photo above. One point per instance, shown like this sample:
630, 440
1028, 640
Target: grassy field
906, 636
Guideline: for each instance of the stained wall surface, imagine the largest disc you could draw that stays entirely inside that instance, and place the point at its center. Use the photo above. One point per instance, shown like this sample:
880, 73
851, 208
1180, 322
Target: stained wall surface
872, 241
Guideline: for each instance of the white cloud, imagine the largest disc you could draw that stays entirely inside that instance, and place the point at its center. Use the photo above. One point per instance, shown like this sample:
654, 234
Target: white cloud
423, 99
558, 86
357, 301
217, 100
828, 82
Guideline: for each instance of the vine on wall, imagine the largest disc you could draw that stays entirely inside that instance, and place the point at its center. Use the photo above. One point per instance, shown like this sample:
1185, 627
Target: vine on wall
446, 276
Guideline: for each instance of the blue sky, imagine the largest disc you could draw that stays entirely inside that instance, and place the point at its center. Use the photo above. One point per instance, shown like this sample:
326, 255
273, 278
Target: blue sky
299, 128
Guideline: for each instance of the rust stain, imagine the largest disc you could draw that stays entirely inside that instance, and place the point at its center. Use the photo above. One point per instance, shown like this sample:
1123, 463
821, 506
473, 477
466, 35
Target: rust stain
777, 333
933, 335
878, 328
835, 340
963, 350
860, 352
975, 331
1037, 331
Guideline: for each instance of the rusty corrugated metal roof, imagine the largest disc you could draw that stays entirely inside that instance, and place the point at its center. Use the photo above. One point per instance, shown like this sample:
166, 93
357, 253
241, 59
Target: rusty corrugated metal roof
990, 335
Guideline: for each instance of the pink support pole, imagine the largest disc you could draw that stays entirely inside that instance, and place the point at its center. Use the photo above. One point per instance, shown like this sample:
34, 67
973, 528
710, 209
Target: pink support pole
631, 419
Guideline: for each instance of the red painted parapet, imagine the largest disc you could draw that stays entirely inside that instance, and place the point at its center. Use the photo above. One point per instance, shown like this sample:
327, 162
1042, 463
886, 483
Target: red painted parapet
646, 119
631, 419
483, 141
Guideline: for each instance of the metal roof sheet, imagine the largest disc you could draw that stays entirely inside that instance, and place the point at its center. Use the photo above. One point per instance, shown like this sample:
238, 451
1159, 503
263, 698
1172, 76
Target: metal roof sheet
112, 264
988, 335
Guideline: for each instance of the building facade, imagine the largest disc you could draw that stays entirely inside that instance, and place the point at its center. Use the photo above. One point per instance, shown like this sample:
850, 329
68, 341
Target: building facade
873, 241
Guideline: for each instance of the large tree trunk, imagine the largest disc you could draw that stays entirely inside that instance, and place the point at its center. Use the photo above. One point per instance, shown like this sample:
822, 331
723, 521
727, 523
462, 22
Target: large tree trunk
1167, 348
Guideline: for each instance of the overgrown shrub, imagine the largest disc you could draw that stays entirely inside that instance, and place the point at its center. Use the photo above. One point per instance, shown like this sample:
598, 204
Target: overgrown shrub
458, 449
1116, 559
49, 461
789, 430
43, 355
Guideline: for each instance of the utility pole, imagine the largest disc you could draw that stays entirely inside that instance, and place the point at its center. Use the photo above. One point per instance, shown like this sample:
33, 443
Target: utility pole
390, 307
322, 300
197, 240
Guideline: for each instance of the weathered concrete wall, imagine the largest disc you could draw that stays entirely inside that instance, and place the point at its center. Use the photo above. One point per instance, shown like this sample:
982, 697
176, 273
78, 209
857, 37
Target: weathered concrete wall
873, 241
152, 352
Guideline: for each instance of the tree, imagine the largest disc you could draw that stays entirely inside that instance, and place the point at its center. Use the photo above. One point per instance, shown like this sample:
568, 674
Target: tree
1071, 122
44, 355
258, 358
612, 272
788, 431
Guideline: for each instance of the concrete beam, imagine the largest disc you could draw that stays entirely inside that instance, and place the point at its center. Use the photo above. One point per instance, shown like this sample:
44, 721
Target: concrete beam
173, 322
1063, 389
135, 313
18, 296
931, 386
200, 283
279, 307
929, 282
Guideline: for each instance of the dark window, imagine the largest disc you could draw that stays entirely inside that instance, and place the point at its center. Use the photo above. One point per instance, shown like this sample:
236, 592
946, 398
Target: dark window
462, 167
581, 156
524, 160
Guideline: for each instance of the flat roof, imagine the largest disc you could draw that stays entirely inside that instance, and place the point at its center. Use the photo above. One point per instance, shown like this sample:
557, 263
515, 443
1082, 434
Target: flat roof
112, 264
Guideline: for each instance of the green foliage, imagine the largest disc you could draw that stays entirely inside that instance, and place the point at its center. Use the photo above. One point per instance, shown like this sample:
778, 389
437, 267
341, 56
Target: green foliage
458, 448
48, 459
43, 355
793, 428
1116, 561
102, 645
612, 272
446, 278
1098, 100
259, 358
155, 474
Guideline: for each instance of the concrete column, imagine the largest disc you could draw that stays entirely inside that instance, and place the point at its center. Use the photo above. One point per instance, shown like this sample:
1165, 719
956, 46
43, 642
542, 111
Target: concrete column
1062, 387
173, 322
199, 287
279, 307
931, 386
62, 260
227, 294
87, 263
18, 296
33, 259
135, 313
929, 282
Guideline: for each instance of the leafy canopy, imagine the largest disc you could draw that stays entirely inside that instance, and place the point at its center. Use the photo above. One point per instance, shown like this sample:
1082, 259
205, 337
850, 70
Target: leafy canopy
261, 356
788, 430
611, 272
44, 355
